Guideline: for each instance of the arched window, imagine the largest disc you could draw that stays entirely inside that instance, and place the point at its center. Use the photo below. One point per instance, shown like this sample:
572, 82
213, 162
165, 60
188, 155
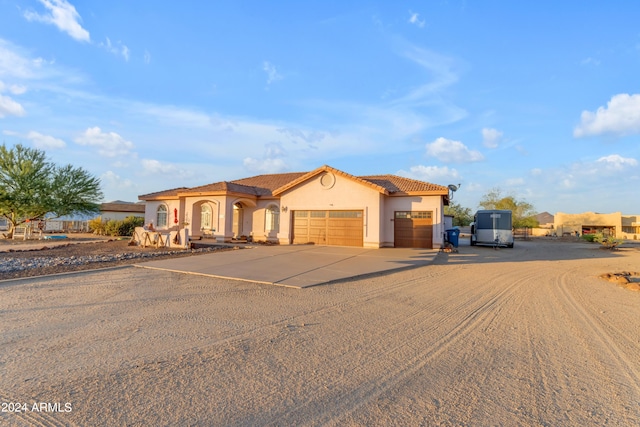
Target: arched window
272, 218
161, 216
205, 217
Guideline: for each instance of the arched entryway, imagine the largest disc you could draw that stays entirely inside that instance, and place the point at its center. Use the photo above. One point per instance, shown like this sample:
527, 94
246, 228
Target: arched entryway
238, 219
204, 220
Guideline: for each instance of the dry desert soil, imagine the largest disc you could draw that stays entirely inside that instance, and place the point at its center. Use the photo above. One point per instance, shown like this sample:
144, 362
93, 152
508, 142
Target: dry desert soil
529, 336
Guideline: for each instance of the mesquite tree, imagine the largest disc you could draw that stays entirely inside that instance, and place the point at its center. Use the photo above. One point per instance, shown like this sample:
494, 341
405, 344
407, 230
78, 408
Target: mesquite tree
32, 187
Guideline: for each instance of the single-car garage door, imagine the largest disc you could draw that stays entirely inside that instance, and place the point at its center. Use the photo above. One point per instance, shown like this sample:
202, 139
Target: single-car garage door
413, 229
336, 228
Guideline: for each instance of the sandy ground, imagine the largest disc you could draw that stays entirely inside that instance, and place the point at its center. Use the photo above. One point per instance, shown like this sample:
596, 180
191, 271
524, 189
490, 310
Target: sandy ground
528, 336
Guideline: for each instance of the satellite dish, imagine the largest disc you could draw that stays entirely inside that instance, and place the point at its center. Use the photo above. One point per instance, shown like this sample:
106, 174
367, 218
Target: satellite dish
452, 189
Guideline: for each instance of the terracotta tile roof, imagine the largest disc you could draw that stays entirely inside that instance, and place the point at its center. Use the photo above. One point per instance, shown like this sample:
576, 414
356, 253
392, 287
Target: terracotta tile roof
266, 184
274, 184
398, 184
172, 193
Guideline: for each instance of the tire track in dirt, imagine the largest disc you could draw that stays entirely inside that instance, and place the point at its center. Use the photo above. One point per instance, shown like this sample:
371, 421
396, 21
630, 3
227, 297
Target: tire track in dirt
624, 364
346, 402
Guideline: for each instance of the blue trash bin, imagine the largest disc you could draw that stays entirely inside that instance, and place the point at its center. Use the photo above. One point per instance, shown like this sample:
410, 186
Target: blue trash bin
452, 236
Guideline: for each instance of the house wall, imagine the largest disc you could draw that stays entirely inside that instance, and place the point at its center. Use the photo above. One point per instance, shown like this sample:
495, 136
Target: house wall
151, 208
344, 194
570, 223
413, 203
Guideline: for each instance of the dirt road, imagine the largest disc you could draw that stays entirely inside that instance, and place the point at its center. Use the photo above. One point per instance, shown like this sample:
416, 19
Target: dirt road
517, 337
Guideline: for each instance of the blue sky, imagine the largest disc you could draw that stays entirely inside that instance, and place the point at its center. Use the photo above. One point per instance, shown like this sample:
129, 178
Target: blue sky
539, 99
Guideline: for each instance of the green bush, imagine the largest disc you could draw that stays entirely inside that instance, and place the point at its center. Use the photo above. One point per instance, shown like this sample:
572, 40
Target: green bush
114, 227
589, 237
609, 242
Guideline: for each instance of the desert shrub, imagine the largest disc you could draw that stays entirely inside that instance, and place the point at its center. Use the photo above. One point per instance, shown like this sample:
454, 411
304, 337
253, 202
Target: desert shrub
96, 226
115, 227
609, 242
129, 224
589, 237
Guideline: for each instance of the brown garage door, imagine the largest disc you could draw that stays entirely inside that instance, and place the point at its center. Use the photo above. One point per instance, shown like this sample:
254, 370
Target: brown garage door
336, 228
413, 229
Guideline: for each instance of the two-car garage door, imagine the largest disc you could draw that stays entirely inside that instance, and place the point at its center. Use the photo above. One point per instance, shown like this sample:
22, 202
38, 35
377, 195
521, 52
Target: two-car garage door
412, 229
337, 228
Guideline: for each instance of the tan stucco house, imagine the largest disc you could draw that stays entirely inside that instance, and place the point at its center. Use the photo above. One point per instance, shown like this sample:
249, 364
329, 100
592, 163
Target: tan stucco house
614, 224
325, 206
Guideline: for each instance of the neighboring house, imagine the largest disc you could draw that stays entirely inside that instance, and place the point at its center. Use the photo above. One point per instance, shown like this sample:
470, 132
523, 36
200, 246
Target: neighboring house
325, 206
615, 224
119, 210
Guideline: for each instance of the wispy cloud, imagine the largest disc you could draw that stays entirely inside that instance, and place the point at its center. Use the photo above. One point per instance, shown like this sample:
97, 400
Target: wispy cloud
491, 138
119, 49
616, 162
431, 173
620, 117
590, 61
272, 73
415, 19
163, 169
272, 161
64, 16
9, 107
109, 144
449, 151
45, 142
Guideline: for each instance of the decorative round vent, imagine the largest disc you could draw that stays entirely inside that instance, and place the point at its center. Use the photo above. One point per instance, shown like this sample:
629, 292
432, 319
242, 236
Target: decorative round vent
327, 180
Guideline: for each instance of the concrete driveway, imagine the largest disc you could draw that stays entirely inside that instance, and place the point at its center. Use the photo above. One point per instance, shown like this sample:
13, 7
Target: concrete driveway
297, 266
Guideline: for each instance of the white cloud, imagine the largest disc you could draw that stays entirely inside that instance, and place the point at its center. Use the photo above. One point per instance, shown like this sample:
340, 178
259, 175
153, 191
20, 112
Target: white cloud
264, 165
620, 117
118, 49
114, 180
109, 144
435, 174
14, 89
590, 61
272, 161
64, 16
147, 57
514, 182
9, 107
272, 73
616, 162
491, 138
15, 63
441, 68
164, 169
45, 142
415, 20
450, 151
